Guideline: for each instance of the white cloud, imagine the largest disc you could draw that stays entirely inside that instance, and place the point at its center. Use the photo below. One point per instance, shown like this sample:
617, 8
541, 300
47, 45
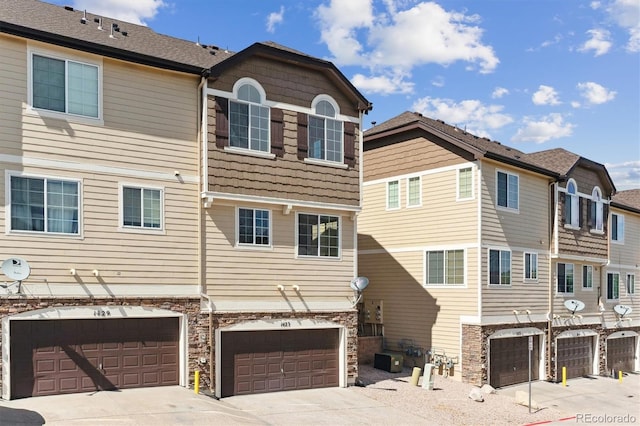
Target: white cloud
499, 92
546, 95
394, 38
468, 114
595, 94
383, 85
625, 175
599, 42
438, 81
595, 5
275, 18
546, 128
626, 14
136, 12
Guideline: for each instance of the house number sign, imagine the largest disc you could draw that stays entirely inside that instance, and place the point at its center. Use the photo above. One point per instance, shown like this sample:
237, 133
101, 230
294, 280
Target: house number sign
285, 324
101, 313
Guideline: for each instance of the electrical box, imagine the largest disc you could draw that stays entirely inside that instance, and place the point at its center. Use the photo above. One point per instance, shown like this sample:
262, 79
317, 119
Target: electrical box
388, 362
373, 311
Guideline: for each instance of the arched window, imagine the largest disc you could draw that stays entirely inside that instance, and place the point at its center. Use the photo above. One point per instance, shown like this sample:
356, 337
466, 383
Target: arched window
325, 132
597, 210
572, 205
248, 117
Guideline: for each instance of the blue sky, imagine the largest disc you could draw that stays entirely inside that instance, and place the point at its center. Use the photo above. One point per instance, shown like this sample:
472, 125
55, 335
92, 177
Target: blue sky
532, 74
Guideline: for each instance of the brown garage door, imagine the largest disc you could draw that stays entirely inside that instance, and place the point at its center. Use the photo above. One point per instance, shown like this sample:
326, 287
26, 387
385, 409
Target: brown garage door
509, 360
67, 356
276, 360
621, 354
575, 353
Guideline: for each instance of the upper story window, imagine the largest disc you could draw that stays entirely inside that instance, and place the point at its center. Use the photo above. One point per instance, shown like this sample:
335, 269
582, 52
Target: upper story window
444, 267
141, 207
66, 86
597, 210
507, 189
414, 192
531, 266
617, 228
249, 119
499, 267
44, 205
465, 183
613, 286
631, 284
572, 205
325, 133
254, 227
587, 277
318, 235
565, 278
393, 195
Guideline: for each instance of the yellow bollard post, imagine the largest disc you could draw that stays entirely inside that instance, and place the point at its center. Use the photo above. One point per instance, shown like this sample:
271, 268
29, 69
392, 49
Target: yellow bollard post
196, 382
620, 376
564, 376
415, 377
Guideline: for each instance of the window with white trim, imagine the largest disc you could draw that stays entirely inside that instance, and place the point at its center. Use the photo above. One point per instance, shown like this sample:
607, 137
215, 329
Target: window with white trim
617, 228
141, 207
65, 86
631, 284
465, 183
254, 227
499, 267
318, 235
444, 267
572, 205
507, 190
587, 277
597, 210
44, 205
249, 120
613, 286
393, 194
531, 266
325, 133
565, 278
414, 192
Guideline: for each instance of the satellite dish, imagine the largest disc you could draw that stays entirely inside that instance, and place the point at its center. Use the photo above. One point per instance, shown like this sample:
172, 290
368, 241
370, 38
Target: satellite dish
359, 283
574, 305
16, 268
622, 310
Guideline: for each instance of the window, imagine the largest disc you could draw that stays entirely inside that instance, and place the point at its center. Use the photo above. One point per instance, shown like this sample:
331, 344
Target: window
318, 235
597, 210
499, 267
613, 286
531, 266
393, 194
249, 120
508, 190
141, 208
444, 267
253, 227
571, 205
565, 278
44, 205
631, 284
587, 277
325, 133
617, 228
414, 192
65, 86
465, 183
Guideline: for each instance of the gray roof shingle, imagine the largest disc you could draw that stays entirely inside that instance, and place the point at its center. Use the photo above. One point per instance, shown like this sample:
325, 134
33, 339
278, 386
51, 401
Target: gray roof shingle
628, 198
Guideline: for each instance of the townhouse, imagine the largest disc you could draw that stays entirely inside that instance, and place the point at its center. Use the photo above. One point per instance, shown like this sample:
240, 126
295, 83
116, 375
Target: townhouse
167, 206
466, 245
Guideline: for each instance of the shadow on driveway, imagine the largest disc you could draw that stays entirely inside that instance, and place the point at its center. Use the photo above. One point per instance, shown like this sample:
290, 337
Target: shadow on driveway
19, 416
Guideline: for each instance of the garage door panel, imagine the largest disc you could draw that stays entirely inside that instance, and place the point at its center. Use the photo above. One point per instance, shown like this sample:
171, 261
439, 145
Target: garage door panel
621, 354
576, 354
509, 360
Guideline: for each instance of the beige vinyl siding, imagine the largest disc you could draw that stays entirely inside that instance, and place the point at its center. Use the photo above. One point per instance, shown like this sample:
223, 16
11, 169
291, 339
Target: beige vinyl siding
254, 274
588, 297
627, 253
430, 317
13, 86
526, 230
123, 258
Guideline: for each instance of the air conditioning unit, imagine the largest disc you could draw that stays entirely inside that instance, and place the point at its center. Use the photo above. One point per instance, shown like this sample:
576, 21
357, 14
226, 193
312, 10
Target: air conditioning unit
388, 362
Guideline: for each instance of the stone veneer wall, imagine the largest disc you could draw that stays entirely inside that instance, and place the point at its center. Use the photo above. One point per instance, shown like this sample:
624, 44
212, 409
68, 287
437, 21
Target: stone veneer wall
349, 319
198, 323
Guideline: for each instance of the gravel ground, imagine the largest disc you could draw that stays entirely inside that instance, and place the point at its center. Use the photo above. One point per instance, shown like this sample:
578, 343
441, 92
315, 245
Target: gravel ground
448, 403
